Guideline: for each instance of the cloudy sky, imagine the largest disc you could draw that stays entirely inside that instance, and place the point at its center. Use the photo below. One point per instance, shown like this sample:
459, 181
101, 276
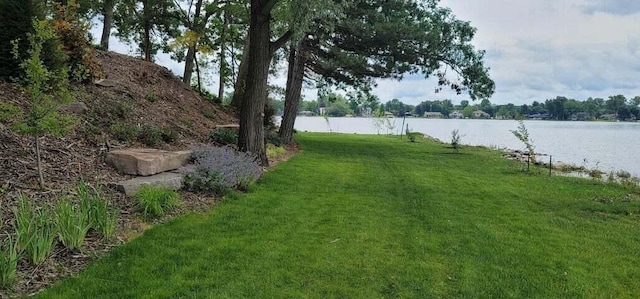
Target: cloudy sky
536, 50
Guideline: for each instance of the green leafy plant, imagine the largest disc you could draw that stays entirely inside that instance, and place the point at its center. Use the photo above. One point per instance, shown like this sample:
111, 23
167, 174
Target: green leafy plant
9, 256
35, 230
101, 217
275, 151
156, 201
46, 89
73, 224
272, 137
207, 181
123, 131
523, 135
455, 140
151, 97
223, 136
150, 135
170, 135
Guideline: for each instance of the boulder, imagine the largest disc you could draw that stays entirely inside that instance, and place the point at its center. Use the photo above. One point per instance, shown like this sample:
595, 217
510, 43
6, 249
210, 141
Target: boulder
169, 180
146, 162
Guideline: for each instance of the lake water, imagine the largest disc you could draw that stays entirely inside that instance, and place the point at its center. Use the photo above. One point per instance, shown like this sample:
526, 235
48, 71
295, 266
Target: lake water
607, 146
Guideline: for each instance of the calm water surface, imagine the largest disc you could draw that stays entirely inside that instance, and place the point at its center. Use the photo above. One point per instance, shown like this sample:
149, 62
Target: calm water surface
607, 146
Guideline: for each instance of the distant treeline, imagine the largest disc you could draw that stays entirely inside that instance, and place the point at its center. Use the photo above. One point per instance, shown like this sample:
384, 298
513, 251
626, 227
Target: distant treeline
616, 107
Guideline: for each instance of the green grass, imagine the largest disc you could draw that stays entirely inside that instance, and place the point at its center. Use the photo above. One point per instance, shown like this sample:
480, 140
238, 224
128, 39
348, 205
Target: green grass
376, 217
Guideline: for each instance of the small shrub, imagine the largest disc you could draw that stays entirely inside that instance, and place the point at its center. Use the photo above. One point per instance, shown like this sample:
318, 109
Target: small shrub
150, 135
123, 132
623, 174
151, 97
170, 135
455, 140
8, 263
206, 181
595, 174
275, 151
209, 114
73, 223
272, 137
523, 135
155, 201
223, 136
237, 170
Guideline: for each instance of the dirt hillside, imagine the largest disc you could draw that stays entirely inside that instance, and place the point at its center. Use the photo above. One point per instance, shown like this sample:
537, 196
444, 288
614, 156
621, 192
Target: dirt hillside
138, 95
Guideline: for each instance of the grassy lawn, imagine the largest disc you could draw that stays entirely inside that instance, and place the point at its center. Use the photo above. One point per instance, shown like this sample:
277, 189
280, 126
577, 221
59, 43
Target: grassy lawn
377, 217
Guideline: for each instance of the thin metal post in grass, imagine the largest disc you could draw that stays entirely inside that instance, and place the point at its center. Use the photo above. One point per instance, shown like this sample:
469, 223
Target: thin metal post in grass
402, 128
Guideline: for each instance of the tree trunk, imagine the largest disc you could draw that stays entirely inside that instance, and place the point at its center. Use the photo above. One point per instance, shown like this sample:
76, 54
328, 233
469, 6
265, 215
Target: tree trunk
223, 55
191, 52
195, 59
251, 137
241, 81
146, 40
107, 13
295, 77
188, 64
39, 162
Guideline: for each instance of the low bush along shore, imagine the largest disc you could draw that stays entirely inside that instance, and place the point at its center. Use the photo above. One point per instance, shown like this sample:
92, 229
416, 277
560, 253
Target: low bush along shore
374, 216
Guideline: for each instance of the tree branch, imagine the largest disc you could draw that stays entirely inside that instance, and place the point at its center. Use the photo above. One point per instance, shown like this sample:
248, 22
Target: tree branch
274, 46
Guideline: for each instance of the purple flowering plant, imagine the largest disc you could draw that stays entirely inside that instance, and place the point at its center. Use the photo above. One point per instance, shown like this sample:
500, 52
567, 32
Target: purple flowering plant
218, 169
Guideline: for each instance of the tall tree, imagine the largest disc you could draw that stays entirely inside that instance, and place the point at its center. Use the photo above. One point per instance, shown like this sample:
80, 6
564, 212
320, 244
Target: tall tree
387, 39
150, 23
261, 49
107, 22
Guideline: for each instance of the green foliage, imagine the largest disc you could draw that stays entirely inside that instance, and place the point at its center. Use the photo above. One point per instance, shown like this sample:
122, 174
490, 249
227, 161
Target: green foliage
17, 22
46, 89
455, 140
8, 263
123, 131
9, 112
206, 181
223, 136
150, 135
76, 43
274, 151
101, 217
151, 97
492, 232
73, 223
523, 135
272, 137
35, 230
170, 135
155, 201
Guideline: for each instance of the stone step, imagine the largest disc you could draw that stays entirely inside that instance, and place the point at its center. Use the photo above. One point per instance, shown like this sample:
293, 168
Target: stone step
145, 161
170, 180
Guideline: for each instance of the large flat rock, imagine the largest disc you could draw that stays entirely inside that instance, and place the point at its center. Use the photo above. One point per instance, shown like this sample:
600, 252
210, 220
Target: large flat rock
170, 180
146, 161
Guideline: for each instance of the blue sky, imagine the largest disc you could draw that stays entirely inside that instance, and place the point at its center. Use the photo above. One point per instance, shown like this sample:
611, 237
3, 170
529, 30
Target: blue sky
536, 50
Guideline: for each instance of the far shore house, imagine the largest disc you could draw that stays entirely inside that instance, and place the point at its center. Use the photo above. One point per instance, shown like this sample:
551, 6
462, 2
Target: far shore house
433, 115
479, 114
456, 114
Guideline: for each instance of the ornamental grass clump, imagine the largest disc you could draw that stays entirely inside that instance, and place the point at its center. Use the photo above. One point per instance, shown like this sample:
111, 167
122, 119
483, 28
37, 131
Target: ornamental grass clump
218, 169
73, 222
101, 217
35, 230
156, 201
8, 263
